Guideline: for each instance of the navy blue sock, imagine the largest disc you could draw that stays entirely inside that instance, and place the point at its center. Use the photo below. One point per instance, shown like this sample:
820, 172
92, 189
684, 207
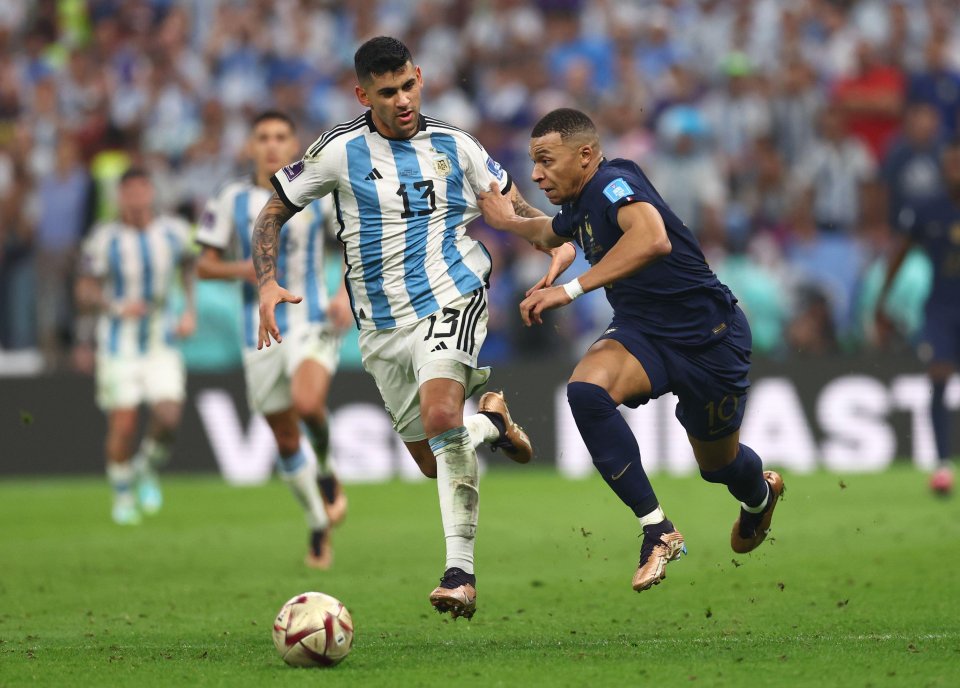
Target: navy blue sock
612, 445
941, 420
743, 477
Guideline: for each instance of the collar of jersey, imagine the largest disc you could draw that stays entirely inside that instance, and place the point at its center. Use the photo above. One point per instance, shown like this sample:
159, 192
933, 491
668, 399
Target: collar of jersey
575, 203
373, 127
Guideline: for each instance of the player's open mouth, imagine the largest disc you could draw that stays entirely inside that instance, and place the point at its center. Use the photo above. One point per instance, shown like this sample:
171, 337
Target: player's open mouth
406, 117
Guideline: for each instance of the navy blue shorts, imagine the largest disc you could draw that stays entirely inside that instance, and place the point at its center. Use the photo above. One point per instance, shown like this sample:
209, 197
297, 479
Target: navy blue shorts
711, 382
940, 342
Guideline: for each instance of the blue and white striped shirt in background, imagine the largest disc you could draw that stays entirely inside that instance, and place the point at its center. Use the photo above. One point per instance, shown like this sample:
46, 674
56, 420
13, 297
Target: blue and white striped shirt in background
227, 224
136, 265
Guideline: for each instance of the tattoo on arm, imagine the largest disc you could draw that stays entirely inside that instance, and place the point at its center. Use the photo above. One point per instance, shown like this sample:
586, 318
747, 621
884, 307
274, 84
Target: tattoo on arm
266, 235
522, 208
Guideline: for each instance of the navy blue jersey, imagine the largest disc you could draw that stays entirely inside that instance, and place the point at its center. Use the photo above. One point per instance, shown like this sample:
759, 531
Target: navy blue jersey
677, 298
937, 229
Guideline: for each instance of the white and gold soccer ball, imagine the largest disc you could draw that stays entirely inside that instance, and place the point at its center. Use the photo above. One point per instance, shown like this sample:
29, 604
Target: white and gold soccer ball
313, 630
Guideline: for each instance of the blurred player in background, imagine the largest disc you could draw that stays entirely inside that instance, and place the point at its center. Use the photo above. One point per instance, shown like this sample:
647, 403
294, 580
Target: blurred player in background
289, 385
406, 187
676, 328
127, 273
936, 229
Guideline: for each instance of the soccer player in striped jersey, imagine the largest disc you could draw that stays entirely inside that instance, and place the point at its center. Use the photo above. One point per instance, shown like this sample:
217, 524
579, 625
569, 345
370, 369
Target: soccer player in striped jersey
405, 188
128, 269
288, 386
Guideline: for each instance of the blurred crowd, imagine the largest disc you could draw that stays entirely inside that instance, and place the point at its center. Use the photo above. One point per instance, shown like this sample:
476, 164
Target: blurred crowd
794, 137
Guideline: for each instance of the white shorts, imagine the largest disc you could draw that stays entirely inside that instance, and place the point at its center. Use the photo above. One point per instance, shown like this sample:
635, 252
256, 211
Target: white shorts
395, 358
268, 372
128, 381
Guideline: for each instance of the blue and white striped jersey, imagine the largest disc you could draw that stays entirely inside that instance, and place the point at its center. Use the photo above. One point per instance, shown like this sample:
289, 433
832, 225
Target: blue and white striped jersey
402, 206
227, 224
135, 265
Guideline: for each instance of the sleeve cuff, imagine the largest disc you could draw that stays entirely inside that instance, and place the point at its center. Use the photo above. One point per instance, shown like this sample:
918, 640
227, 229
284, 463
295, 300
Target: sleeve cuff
278, 187
505, 190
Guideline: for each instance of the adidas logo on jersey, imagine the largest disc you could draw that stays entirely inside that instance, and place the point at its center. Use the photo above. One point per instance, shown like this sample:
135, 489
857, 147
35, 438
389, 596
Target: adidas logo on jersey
439, 347
374, 175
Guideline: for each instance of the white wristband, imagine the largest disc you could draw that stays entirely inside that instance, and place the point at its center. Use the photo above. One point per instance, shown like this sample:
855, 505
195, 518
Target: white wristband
573, 289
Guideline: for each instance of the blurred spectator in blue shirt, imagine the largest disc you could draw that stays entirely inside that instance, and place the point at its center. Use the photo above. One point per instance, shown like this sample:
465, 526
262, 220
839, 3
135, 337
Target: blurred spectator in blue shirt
64, 200
824, 263
832, 172
568, 45
911, 168
685, 170
939, 85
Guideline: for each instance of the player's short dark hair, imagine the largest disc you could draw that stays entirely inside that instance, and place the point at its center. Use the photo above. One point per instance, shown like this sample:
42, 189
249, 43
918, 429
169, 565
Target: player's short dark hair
273, 115
565, 121
134, 173
380, 55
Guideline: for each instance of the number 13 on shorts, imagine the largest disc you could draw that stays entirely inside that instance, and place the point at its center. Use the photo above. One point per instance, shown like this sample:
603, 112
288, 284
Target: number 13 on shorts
461, 320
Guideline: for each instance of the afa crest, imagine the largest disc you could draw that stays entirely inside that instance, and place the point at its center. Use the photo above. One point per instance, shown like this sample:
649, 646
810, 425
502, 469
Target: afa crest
442, 165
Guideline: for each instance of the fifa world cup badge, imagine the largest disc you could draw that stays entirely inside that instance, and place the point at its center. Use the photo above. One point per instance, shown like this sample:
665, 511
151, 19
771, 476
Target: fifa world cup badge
441, 163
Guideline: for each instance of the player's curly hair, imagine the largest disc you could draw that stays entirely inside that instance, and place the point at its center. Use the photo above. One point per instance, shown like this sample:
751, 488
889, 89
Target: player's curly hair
565, 121
380, 55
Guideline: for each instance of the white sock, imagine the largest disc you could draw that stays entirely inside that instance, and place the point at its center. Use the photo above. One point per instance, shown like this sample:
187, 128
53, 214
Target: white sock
653, 518
481, 429
120, 477
760, 507
458, 488
301, 476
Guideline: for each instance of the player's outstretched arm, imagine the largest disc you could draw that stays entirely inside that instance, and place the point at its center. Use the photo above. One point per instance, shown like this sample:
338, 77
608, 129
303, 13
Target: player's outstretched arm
503, 213
266, 235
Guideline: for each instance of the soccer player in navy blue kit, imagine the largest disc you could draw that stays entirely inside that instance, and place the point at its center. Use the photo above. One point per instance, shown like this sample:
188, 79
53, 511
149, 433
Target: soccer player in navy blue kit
676, 328
936, 228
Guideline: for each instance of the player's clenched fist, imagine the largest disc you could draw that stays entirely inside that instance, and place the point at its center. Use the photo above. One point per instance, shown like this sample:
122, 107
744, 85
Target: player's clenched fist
271, 294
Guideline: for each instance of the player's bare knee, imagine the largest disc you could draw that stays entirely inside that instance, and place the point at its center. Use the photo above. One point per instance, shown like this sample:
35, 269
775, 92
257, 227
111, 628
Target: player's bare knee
166, 419
122, 427
308, 407
440, 417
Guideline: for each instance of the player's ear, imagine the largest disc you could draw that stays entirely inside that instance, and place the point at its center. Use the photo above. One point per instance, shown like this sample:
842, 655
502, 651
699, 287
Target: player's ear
419, 76
362, 96
586, 154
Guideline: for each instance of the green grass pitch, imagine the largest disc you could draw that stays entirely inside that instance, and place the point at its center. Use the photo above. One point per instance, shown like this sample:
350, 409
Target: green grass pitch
859, 586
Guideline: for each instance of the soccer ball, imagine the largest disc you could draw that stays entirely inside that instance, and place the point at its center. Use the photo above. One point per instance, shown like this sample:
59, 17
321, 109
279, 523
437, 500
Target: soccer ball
313, 630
